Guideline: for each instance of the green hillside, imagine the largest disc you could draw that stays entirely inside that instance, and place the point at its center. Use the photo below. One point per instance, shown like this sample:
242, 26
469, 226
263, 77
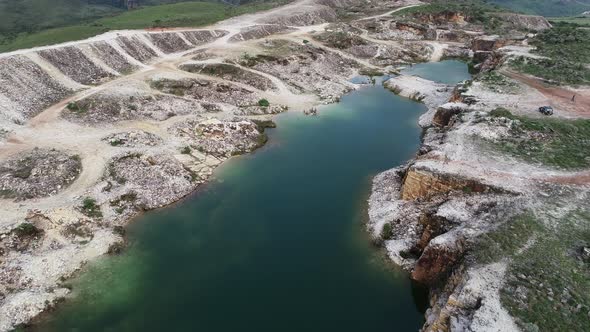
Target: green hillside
18, 16
552, 8
91, 20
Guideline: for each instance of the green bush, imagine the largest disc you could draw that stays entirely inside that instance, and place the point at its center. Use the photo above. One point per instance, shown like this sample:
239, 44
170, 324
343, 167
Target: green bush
116, 142
501, 112
186, 150
90, 208
76, 108
27, 229
386, 232
263, 103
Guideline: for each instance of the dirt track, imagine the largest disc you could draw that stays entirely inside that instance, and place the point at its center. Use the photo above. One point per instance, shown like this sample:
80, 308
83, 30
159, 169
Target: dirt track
561, 98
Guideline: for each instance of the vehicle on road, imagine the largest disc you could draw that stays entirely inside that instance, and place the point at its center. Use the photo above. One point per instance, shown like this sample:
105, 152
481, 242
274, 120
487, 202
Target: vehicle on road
547, 110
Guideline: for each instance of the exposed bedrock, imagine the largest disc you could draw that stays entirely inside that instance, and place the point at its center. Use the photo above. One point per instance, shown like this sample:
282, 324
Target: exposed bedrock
231, 73
305, 68
434, 218
221, 139
445, 114
145, 181
137, 48
199, 37
438, 259
76, 65
430, 93
206, 90
391, 28
133, 139
420, 183
38, 173
128, 101
487, 43
435, 214
260, 31
343, 37
112, 58
168, 42
26, 89
428, 212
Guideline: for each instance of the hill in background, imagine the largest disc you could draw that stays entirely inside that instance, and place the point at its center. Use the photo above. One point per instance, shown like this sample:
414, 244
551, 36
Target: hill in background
550, 8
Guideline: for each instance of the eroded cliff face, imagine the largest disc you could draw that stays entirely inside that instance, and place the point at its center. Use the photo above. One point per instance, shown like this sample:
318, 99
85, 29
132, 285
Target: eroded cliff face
422, 184
456, 206
442, 202
437, 216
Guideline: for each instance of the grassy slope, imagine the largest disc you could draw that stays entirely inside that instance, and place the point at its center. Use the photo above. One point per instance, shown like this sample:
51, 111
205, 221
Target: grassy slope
473, 8
568, 50
548, 141
17, 16
548, 279
185, 14
548, 283
579, 20
555, 8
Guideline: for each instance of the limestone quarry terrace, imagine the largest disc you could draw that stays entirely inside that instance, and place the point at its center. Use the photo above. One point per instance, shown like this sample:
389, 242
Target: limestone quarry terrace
95, 132
38, 173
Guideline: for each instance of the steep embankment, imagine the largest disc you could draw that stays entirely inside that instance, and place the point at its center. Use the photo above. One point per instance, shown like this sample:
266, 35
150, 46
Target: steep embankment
479, 214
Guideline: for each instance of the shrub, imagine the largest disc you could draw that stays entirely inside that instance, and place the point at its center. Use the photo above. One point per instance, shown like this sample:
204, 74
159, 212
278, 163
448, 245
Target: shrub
386, 232
263, 103
90, 208
501, 112
27, 229
186, 150
76, 108
116, 142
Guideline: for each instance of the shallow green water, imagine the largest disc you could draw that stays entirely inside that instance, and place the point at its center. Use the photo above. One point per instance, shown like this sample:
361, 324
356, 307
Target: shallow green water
274, 243
448, 71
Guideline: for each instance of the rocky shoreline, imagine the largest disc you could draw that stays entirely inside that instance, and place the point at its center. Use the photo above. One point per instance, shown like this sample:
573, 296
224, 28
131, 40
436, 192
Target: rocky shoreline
435, 214
136, 120
92, 133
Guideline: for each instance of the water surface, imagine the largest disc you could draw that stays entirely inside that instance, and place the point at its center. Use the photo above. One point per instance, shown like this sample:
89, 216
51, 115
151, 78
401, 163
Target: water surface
274, 243
447, 71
